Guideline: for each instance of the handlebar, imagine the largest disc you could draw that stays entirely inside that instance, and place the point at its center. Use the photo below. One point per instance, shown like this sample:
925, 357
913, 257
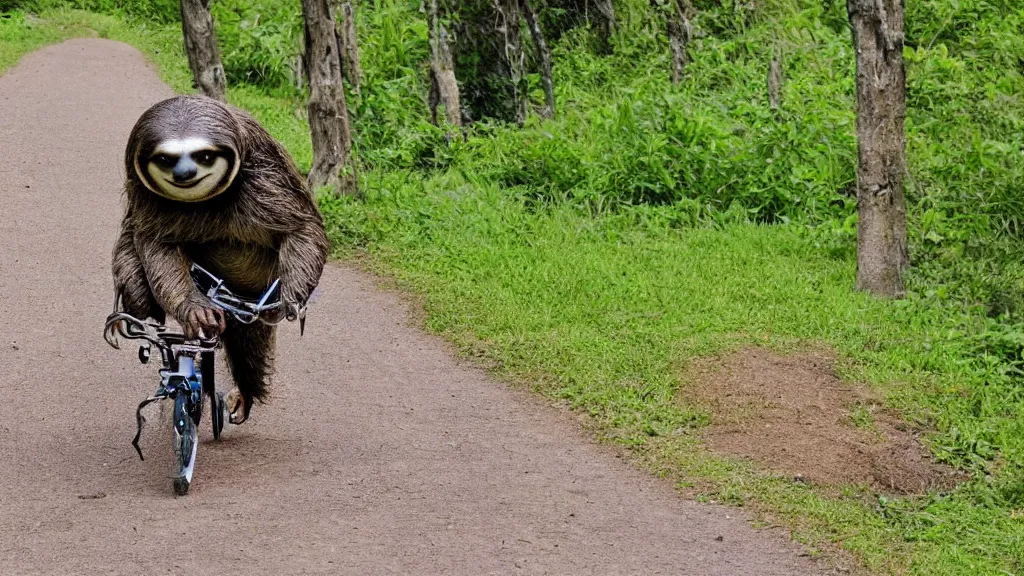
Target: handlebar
266, 309
131, 328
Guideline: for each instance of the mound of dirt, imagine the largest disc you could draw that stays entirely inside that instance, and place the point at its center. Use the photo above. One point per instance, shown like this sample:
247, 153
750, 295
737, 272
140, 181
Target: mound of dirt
793, 416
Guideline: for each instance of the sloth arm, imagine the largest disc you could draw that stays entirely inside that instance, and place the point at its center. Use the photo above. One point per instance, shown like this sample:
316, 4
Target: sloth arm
286, 209
130, 277
301, 257
167, 270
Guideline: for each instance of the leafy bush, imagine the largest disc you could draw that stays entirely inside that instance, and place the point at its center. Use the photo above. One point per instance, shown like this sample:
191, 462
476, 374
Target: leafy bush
259, 41
159, 11
12, 5
626, 137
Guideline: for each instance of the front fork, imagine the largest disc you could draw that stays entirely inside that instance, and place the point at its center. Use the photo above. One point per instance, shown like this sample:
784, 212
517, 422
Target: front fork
185, 387
189, 381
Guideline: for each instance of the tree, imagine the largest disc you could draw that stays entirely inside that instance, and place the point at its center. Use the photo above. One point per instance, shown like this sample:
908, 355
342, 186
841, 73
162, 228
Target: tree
607, 12
491, 57
444, 89
512, 55
677, 26
349, 48
545, 58
201, 48
775, 83
333, 164
877, 27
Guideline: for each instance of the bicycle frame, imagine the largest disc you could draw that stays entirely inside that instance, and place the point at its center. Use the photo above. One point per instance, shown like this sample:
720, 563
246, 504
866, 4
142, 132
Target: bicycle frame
185, 380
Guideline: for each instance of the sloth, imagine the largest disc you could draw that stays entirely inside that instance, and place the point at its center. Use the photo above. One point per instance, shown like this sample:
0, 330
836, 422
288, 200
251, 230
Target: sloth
206, 184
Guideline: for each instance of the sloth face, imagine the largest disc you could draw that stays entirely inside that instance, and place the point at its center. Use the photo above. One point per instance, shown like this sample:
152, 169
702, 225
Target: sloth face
186, 148
189, 170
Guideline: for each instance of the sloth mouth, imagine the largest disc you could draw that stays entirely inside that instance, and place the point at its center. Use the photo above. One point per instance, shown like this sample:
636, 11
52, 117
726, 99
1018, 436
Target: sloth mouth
186, 185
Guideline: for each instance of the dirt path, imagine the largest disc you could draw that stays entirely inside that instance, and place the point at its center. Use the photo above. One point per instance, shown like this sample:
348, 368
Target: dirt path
379, 453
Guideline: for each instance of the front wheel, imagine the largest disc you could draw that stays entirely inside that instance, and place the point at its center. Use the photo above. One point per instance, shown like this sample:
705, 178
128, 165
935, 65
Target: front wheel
186, 442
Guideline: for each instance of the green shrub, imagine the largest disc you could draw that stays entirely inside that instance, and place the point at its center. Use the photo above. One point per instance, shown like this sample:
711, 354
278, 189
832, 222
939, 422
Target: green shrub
259, 41
626, 137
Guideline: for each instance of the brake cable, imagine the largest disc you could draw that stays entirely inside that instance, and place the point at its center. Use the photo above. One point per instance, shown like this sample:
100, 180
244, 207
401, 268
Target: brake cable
140, 420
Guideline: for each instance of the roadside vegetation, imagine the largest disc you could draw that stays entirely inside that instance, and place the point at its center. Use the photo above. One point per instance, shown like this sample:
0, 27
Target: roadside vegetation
595, 256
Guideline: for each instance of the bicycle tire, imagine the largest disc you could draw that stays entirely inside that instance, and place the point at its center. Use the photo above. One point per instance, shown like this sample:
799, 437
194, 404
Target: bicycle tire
207, 368
217, 411
186, 443
208, 371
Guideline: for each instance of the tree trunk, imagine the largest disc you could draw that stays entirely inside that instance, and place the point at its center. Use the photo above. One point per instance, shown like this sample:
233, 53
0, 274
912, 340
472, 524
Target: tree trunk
881, 109
352, 70
201, 48
545, 58
679, 29
607, 11
299, 70
775, 83
444, 89
512, 54
328, 112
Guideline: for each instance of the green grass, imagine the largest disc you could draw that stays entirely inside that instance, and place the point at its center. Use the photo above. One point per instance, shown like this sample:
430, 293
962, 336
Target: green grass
20, 34
606, 313
604, 309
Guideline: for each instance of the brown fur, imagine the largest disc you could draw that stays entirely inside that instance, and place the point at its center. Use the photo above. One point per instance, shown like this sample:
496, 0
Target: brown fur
265, 225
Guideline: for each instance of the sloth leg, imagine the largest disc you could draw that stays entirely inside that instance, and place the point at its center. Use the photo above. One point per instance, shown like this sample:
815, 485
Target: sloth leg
130, 279
250, 354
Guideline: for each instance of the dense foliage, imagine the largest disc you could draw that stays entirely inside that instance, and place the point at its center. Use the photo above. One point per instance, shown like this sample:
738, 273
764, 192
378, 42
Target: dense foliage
628, 137
711, 145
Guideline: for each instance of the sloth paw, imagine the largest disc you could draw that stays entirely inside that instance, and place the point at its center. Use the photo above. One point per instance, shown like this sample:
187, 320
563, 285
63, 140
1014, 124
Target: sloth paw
237, 407
203, 322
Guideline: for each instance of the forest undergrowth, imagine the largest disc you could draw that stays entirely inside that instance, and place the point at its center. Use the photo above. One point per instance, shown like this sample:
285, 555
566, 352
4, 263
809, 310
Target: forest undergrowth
595, 256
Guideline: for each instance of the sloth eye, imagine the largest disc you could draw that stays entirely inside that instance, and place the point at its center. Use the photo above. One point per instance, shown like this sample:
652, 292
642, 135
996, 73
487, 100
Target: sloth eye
204, 158
164, 161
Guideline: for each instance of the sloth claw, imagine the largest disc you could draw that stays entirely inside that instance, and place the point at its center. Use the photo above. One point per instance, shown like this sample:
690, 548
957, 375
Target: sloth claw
236, 407
201, 320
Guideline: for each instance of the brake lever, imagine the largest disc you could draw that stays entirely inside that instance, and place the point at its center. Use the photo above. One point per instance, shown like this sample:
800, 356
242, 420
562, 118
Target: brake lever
110, 335
114, 326
295, 312
133, 331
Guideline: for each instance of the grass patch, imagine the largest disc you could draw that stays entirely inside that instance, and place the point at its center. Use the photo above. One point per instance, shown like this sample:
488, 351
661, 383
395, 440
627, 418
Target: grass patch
21, 33
604, 314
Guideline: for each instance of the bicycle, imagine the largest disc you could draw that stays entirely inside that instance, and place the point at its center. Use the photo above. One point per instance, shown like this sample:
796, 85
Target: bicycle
180, 381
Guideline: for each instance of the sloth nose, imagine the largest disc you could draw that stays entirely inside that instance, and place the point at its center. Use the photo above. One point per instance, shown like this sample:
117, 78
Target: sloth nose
184, 170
